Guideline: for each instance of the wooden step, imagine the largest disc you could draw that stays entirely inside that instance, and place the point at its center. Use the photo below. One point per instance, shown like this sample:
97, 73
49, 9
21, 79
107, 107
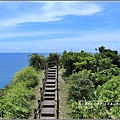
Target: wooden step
51, 72
49, 98
47, 89
50, 81
47, 112
51, 77
50, 85
50, 118
48, 103
55, 67
53, 80
49, 93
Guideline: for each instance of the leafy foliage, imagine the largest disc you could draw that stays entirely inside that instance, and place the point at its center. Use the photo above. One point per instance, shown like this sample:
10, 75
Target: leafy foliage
98, 73
28, 75
37, 61
74, 62
52, 58
109, 92
80, 86
16, 99
89, 110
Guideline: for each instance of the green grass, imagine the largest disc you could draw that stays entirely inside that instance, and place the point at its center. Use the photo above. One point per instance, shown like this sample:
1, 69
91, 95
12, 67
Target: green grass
63, 94
37, 95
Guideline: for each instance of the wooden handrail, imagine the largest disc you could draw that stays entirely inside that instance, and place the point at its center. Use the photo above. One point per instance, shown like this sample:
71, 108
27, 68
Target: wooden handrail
37, 112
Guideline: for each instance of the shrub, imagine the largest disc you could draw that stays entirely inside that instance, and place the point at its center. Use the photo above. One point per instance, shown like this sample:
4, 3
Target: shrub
16, 101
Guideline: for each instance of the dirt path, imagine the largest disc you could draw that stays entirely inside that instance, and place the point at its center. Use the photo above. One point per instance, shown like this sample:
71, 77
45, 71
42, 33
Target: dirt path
64, 109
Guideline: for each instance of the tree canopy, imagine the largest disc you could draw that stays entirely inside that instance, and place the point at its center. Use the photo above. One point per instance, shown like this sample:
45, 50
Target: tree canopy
93, 79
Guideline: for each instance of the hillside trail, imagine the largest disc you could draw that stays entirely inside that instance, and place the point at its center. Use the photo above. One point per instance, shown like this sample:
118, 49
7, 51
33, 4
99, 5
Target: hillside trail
63, 106
63, 94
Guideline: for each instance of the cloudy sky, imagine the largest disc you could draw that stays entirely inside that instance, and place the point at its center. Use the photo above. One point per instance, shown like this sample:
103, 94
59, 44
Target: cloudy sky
57, 26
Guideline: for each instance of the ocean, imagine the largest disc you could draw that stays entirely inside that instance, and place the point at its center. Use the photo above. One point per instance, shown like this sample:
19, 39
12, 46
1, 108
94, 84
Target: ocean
10, 63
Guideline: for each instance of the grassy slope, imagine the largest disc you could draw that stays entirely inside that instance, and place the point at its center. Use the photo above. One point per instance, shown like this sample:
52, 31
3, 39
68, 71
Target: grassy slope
37, 95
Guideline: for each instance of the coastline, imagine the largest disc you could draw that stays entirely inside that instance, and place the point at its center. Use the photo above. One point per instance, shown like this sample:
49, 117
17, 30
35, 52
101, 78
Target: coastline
10, 64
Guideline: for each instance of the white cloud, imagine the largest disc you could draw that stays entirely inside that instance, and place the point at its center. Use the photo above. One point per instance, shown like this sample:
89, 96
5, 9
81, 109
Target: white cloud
50, 11
41, 48
70, 8
50, 48
10, 48
46, 33
16, 48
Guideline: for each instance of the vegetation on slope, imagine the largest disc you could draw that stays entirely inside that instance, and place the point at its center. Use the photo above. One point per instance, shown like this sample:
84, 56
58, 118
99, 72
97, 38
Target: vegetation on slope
16, 98
93, 85
93, 82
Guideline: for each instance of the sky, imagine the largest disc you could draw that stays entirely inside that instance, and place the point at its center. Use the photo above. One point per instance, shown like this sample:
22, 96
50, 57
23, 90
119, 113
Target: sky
55, 26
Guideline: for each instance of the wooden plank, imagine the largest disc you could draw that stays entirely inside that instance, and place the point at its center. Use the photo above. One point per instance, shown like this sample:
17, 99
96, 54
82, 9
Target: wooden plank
50, 89
55, 67
49, 77
51, 72
48, 102
49, 93
48, 111
47, 88
50, 85
50, 80
49, 97
47, 117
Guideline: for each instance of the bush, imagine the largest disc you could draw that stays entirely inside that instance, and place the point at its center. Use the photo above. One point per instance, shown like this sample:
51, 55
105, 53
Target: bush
16, 100
110, 92
89, 110
80, 85
28, 75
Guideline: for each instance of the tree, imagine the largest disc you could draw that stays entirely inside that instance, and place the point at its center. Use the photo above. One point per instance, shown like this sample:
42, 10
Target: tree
88, 110
110, 93
52, 59
101, 49
37, 61
112, 54
80, 86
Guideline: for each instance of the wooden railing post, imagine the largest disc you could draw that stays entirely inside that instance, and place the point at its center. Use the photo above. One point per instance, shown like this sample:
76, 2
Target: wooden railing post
39, 107
57, 95
41, 94
35, 113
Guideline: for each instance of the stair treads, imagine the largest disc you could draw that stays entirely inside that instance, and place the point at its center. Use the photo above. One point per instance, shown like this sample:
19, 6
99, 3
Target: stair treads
47, 111
48, 102
49, 98
50, 118
50, 85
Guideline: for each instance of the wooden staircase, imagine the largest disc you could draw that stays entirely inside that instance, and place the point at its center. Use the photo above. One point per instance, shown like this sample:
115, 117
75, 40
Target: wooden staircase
47, 105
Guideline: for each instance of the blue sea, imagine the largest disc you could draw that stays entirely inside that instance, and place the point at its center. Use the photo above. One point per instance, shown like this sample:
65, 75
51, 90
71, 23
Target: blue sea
10, 63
